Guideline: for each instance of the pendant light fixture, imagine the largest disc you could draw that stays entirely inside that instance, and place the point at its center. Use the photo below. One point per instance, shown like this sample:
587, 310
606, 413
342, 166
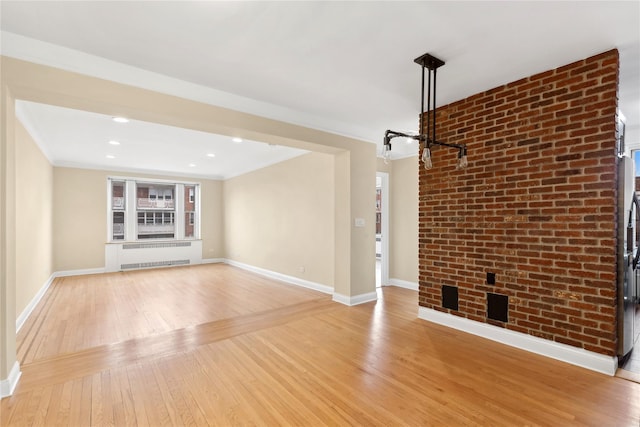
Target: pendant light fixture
427, 139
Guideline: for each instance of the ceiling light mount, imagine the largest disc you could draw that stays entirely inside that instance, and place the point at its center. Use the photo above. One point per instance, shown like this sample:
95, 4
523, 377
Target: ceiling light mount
428, 138
429, 61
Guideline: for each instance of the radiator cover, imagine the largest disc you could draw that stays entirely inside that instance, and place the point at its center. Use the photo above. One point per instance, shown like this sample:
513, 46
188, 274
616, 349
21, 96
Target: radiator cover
136, 255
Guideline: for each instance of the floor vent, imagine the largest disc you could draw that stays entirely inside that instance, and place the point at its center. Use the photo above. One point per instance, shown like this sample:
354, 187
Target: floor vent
154, 264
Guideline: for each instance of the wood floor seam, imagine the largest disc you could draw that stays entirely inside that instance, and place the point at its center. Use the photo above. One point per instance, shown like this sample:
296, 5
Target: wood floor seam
182, 340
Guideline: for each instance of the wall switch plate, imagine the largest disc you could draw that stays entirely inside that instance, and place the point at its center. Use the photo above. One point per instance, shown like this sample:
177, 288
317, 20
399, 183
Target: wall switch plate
359, 222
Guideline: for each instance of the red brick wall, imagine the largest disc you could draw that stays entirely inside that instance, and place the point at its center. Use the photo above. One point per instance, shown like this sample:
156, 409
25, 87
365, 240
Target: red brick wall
536, 206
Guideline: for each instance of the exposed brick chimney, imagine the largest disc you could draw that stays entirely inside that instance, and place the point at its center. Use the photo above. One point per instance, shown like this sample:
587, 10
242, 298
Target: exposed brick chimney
536, 207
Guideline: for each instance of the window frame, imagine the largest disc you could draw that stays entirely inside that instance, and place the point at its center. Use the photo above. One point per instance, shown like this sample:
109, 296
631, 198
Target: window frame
132, 211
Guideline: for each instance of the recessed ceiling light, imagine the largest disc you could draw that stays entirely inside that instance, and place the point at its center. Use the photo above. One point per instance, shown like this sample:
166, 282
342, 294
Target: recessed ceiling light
211, 155
237, 139
110, 156
192, 165
113, 142
121, 119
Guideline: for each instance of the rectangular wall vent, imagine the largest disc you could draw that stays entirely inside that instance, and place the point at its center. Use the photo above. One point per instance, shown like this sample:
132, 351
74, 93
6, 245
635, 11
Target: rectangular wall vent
498, 307
450, 297
156, 245
154, 264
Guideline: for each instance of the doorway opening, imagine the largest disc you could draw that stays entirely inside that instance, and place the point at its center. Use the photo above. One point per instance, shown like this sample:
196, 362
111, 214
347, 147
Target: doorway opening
382, 229
629, 309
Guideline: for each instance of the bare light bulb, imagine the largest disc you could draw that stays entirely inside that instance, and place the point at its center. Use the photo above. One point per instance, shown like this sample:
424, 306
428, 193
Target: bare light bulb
463, 162
386, 153
462, 158
426, 158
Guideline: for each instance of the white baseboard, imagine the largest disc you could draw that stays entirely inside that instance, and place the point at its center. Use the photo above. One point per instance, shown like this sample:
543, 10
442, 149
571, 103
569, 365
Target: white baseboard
212, 260
8, 385
403, 284
356, 299
343, 299
68, 273
33, 303
22, 318
565, 353
282, 277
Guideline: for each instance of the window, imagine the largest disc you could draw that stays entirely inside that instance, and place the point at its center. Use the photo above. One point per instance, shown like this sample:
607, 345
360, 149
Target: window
117, 210
158, 210
118, 225
189, 210
155, 210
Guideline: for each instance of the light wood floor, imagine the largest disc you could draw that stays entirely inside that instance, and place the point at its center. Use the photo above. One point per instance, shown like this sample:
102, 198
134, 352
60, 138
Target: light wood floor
214, 345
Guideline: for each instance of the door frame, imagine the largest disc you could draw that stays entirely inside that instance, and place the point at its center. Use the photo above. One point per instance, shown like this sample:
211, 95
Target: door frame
384, 229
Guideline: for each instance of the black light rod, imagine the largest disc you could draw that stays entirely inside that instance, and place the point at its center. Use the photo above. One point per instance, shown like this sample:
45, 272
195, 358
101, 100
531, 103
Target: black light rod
390, 134
458, 146
422, 105
394, 134
435, 70
428, 105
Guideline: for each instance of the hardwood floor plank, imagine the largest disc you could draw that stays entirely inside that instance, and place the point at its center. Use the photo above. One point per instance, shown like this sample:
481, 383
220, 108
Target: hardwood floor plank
174, 406
126, 409
193, 408
40, 412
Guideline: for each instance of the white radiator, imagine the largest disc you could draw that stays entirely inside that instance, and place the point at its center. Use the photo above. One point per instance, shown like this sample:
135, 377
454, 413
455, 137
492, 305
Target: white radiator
130, 256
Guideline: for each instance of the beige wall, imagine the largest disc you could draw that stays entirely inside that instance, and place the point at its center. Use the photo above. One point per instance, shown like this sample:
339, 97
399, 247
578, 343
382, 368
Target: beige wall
281, 218
211, 223
80, 217
403, 221
8, 360
34, 205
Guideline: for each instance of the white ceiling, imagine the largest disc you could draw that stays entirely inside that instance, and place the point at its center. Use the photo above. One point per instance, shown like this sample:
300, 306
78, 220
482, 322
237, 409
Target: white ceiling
84, 139
345, 67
